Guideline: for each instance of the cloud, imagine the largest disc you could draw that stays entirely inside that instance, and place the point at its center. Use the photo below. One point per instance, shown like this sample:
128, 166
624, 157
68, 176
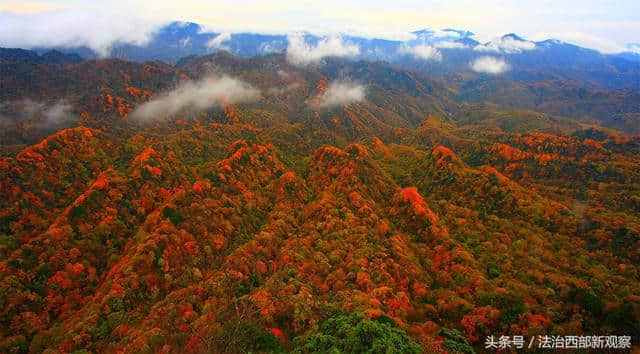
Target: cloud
301, 53
341, 93
185, 42
422, 51
55, 113
58, 113
31, 108
197, 95
507, 45
73, 28
633, 48
217, 41
40, 113
439, 35
450, 45
489, 65
446, 33
269, 47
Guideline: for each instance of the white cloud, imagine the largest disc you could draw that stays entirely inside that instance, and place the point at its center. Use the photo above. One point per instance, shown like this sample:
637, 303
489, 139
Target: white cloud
341, 93
268, 47
450, 45
633, 48
421, 51
31, 108
438, 33
197, 95
489, 65
507, 45
73, 28
217, 41
40, 113
185, 42
58, 113
433, 35
301, 53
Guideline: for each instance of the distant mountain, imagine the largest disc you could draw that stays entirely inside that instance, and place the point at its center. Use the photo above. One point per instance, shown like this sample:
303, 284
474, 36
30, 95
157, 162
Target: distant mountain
631, 56
456, 50
632, 53
181, 39
51, 57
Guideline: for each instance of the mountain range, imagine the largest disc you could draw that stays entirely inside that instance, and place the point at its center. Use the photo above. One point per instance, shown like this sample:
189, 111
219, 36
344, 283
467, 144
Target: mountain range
450, 51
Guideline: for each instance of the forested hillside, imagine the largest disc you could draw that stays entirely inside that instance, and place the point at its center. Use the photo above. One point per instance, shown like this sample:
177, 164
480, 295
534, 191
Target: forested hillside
227, 204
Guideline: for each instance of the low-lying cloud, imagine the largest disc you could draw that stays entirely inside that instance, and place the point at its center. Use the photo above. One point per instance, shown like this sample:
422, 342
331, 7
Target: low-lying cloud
444, 33
217, 41
507, 45
342, 93
268, 47
450, 45
73, 28
197, 95
422, 52
185, 42
301, 53
40, 113
489, 65
58, 113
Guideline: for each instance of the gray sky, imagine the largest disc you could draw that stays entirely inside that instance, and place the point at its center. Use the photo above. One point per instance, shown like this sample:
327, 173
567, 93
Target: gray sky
608, 26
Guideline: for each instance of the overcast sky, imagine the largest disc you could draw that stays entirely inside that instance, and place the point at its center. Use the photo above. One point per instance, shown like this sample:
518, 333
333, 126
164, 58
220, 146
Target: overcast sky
608, 26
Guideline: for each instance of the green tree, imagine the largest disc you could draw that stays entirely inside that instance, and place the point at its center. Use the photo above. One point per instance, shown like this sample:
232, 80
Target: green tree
455, 341
354, 334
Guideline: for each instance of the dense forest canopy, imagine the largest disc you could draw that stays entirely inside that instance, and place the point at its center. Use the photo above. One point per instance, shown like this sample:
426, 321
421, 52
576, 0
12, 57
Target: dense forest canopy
228, 204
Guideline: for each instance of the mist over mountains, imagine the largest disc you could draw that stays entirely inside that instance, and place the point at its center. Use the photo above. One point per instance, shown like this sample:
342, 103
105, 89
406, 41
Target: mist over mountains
448, 53
510, 72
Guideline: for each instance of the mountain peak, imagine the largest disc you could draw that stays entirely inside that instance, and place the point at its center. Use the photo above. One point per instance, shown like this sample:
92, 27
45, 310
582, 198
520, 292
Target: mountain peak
50, 57
514, 37
182, 26
462, 33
